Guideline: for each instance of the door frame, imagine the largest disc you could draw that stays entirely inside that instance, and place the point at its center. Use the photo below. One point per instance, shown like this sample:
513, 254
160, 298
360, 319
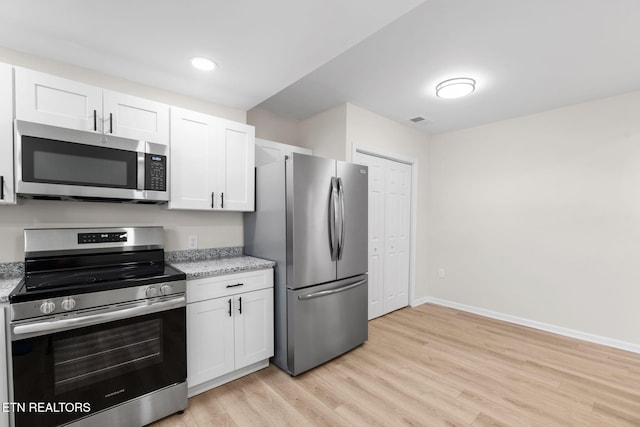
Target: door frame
377, 152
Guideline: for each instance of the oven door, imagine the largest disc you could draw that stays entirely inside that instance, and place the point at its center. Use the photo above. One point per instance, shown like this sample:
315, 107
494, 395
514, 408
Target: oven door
62, 376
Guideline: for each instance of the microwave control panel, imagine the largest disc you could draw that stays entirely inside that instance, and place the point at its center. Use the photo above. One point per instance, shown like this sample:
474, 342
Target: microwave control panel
155, 172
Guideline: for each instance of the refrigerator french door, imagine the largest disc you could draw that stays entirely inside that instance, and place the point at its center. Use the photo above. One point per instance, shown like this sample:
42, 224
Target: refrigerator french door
311, 218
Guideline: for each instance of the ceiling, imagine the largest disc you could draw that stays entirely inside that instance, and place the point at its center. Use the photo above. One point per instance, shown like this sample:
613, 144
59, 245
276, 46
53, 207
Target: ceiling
297, 58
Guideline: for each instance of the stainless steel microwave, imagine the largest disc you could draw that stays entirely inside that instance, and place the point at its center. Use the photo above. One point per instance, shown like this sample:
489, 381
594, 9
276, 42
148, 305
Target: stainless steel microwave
58, 163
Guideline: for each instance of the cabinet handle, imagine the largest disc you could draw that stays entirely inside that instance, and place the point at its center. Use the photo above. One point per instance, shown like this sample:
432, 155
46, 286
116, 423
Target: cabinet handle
2, 187
110, 122
212, 194
229, 307
95, 120
240, 300
222, 200
235, 286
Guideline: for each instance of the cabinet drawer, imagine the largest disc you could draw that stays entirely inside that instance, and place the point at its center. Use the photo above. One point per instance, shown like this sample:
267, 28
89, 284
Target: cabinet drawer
228, 284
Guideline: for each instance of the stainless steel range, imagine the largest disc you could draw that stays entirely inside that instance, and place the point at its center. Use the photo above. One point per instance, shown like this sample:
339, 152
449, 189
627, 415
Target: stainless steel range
97, 329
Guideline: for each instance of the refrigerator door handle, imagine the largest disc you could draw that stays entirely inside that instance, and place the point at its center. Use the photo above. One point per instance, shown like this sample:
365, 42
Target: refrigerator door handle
330, 291
333, 218
342, 233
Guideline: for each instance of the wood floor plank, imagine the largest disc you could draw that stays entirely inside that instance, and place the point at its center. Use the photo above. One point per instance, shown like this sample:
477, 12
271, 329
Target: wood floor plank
431, 366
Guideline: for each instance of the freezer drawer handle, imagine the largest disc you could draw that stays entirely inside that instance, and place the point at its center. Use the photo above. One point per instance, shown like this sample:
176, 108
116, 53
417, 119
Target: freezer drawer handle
235, 286
331, 291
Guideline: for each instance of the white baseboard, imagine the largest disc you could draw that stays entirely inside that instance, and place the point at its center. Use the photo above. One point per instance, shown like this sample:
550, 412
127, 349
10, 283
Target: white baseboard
572, 333
419, 301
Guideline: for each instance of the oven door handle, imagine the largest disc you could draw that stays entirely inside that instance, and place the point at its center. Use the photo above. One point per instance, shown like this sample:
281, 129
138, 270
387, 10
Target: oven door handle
56, 325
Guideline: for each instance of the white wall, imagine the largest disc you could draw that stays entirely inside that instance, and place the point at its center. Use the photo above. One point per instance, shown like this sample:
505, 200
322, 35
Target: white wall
213, 229
539, 217
326, 133
274, 128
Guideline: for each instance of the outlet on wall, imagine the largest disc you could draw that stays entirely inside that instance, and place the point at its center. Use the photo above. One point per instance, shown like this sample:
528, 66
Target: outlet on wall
441, 273
192, 242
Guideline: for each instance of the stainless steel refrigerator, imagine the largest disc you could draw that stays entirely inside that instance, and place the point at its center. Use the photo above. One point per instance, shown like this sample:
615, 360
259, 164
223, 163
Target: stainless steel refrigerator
311, 219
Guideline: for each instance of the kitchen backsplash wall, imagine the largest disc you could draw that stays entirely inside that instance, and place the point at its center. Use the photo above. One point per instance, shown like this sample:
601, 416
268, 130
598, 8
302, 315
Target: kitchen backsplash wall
214, 229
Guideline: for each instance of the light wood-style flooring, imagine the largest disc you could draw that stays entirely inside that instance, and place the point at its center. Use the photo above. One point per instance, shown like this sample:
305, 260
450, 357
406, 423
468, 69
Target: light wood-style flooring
436, 366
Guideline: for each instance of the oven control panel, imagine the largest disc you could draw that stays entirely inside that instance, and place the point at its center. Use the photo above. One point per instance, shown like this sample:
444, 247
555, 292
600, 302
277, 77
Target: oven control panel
84, 238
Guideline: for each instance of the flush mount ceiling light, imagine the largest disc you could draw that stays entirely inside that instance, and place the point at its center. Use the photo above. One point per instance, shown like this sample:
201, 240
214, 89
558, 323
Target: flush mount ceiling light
203, 64
455, 88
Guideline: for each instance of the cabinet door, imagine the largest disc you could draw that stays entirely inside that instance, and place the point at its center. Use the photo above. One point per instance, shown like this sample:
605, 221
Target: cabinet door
253, 326
136, 118
51, 100
209, 340
7, 194
235, 165
192, 160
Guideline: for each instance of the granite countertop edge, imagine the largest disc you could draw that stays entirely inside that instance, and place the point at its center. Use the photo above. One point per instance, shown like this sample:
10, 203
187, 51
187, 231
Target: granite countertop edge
222, 266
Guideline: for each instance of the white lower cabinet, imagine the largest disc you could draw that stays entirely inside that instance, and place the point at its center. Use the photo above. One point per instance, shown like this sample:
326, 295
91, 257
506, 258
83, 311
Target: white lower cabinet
229, 327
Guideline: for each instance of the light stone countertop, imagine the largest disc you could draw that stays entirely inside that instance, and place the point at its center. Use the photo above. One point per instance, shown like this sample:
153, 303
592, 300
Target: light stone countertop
220, 266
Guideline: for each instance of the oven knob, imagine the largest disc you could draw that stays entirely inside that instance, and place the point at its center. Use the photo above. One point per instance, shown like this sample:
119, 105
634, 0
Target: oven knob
152, 292
166, 289
47, 307
68, 304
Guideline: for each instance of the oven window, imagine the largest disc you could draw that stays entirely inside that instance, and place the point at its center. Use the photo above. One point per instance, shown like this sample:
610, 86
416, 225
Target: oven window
80, 361
58, 162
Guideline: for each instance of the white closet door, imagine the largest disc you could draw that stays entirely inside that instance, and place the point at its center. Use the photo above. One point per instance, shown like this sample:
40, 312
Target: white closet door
389, 227
377, 179
396, 243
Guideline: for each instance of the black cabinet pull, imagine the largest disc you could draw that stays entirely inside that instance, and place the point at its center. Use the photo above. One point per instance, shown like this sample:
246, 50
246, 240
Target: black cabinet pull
110, 122
95, 120
1, 187
235, 286
212, 194
240, 300
222, 197
229, 307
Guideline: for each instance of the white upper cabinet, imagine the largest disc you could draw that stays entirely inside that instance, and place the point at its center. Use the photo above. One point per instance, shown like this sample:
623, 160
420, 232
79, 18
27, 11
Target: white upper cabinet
51, 100
235, 165
136, 118
7, 195
55, 101
193, 175
212, 163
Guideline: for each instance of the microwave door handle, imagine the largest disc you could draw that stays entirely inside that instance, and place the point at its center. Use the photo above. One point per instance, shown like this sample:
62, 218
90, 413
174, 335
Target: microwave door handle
141, 164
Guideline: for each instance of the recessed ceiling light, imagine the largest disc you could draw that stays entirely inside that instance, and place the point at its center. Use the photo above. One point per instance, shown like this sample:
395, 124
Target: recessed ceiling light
203, 64
455, 88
